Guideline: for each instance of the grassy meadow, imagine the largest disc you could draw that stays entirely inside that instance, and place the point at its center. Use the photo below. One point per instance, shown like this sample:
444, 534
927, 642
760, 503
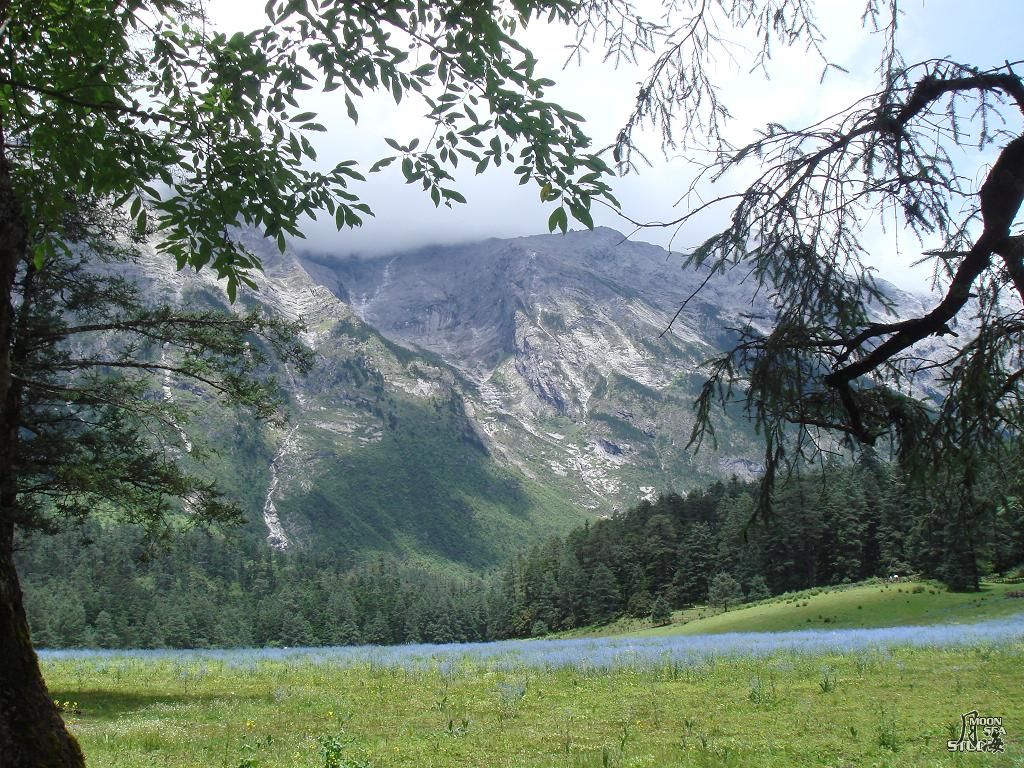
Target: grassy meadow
848, 606
862, 605
856, 697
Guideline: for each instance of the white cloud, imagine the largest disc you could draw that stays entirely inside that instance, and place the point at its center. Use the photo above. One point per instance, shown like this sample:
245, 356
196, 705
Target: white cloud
986, 33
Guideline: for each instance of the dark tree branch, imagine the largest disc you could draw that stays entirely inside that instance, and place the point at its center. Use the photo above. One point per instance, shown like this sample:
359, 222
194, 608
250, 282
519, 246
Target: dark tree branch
1012, 253
1001, 197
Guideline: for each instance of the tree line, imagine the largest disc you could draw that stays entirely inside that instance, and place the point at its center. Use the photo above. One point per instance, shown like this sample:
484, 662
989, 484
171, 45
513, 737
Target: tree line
206, 591
843, 524
840, 525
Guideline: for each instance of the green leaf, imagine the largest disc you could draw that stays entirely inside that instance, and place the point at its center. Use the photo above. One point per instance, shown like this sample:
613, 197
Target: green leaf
558, 220
384, 162
582, 215
547, 193
303, 117
353, 115
39, 253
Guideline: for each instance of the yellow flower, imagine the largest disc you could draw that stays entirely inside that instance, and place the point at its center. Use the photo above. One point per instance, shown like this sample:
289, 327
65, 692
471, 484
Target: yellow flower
250, 724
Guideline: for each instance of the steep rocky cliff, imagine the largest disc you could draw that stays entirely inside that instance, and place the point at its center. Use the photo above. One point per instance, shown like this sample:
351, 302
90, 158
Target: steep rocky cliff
469, 398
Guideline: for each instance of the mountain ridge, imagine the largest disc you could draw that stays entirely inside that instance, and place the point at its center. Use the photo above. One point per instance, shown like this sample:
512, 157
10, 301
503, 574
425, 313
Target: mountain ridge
467, 399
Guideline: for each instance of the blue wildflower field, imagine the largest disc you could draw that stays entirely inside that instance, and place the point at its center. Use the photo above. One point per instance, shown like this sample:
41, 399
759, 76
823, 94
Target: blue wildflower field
849, 697
603, 653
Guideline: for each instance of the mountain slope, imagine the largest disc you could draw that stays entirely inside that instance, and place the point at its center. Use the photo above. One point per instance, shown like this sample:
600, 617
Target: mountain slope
572, 375
467, 400
379, 453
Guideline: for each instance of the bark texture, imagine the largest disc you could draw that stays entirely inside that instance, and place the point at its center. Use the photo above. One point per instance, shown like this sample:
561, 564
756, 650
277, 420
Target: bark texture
32, 733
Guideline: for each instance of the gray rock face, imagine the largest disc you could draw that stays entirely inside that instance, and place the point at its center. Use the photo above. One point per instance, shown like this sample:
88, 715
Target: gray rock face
572, 371
462, 302
469, 398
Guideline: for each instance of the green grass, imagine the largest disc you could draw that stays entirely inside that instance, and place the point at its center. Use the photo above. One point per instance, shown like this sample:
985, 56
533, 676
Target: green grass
880, 709
845, 607
863, 605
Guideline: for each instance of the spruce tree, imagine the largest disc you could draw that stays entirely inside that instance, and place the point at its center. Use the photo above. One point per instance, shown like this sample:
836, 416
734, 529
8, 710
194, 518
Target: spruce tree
694, 563
661, 612
660, 542
605, 599
757, 589
724, 591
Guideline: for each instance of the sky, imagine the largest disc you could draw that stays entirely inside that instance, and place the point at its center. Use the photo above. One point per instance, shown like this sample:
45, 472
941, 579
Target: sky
984, 32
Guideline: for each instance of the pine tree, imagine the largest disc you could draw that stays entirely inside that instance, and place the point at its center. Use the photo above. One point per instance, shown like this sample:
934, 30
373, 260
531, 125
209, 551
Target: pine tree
660, 542
792, 541
572, 589
661, 612
844, 511
724, 591
757, 589
605, 601
639, 604
694, 561
104, 631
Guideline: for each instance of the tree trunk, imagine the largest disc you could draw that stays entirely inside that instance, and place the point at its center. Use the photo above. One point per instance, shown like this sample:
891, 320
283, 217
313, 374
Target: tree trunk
32, 734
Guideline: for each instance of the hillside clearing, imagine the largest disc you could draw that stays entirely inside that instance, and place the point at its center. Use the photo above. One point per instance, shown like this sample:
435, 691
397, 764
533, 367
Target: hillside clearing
859, 606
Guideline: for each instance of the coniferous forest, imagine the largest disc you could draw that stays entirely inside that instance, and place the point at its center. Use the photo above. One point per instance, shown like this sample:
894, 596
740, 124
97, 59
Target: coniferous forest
104, 587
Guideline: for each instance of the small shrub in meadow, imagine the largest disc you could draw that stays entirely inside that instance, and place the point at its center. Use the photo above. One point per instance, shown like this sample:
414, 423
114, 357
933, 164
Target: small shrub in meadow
334, 753
827, 684
762, 690
888, 736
